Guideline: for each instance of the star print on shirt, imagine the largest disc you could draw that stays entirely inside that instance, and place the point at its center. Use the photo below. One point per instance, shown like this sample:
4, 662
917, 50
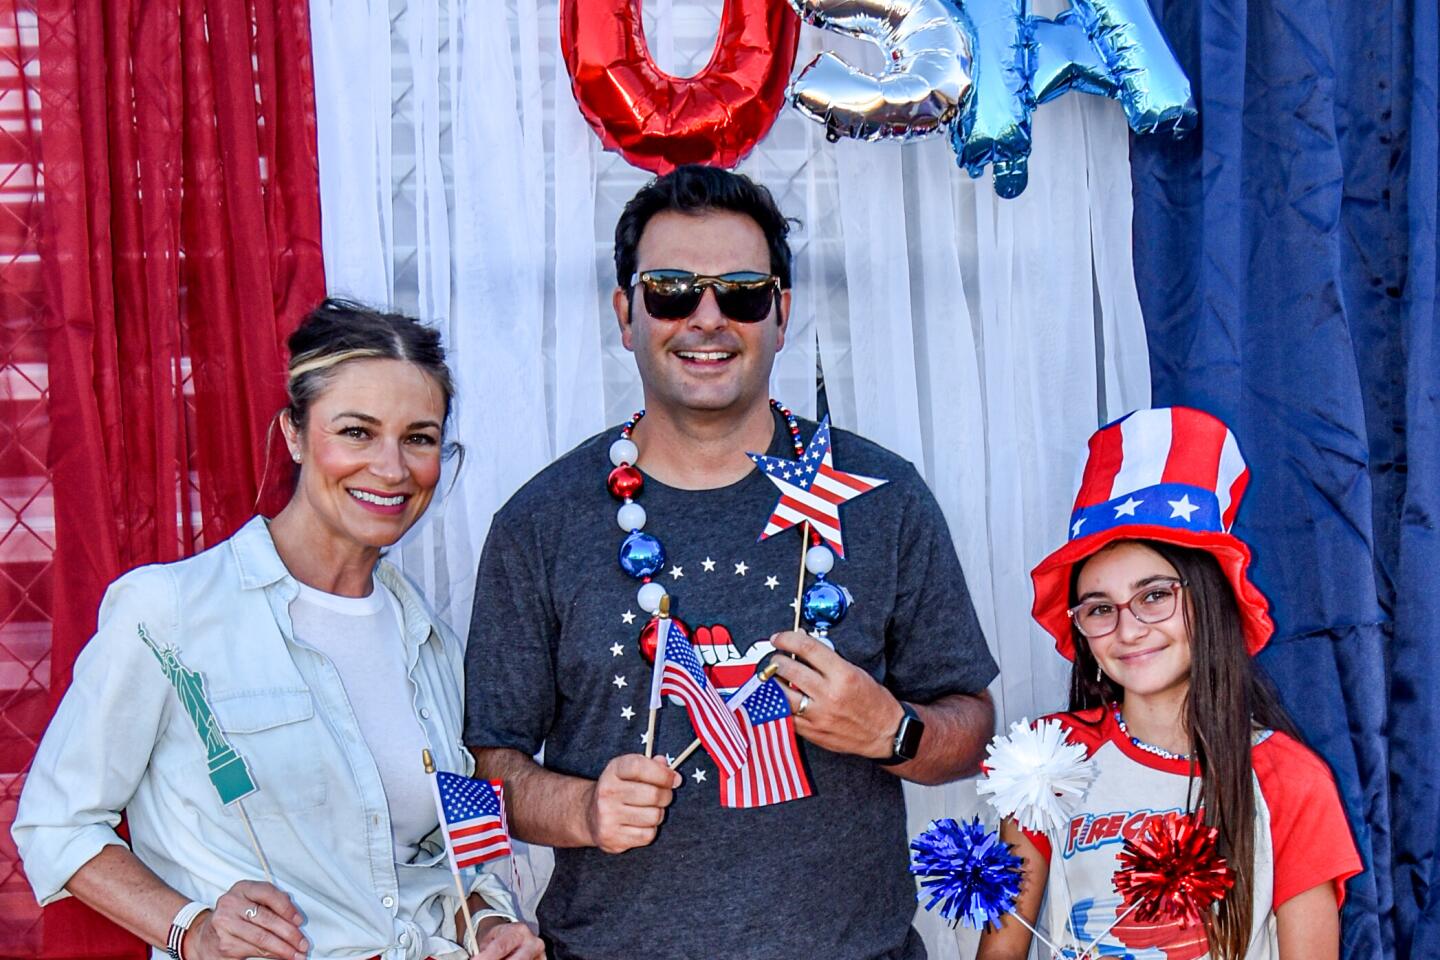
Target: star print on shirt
644, 738
616, 649
626, 713
619, 681
741, 568
699, 775
627, 618
708, 564
772, 582
676, 572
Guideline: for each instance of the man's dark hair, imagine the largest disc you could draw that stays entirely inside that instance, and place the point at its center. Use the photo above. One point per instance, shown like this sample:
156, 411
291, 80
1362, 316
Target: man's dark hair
695, 189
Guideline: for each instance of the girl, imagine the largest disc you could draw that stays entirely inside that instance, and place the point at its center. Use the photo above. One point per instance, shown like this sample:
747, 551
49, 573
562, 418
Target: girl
1151, 601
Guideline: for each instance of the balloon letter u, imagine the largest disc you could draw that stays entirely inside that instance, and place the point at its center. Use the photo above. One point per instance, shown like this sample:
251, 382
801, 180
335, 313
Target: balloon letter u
657, 121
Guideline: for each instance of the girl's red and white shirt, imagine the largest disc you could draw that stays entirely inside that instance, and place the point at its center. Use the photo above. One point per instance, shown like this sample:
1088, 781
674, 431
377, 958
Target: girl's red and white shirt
1302, 839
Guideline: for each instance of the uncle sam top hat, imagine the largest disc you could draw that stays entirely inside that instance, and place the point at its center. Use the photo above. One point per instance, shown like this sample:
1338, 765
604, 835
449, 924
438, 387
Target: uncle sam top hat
1171, 474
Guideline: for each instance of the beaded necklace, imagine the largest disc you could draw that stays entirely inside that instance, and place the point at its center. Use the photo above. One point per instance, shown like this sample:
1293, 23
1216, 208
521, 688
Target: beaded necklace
642, 554
1148, 747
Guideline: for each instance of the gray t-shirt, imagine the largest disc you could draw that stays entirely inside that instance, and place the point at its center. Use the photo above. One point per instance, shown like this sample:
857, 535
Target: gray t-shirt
553, 659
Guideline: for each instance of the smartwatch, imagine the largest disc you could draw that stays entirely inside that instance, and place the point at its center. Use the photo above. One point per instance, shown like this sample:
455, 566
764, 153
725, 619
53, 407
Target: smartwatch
907, 737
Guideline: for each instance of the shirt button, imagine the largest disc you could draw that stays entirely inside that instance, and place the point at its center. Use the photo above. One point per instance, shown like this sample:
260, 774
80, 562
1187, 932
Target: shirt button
425, 713
388, 902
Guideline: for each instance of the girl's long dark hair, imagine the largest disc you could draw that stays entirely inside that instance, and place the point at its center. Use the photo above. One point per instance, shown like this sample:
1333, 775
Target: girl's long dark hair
1228, 701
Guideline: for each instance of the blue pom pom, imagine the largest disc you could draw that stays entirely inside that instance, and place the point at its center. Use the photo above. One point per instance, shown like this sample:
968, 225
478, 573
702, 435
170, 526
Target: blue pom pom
641, 555
968, 870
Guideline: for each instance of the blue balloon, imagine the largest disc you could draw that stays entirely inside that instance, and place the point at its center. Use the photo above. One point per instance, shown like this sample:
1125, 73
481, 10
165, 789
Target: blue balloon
824, 604
641, 555
1010, 61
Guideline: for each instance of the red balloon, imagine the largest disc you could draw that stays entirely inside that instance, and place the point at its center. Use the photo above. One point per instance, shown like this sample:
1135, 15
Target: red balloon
624, 482
657, 121
647, 637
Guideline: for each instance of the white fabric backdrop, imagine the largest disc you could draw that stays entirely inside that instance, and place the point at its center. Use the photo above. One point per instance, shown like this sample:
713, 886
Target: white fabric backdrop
983, 339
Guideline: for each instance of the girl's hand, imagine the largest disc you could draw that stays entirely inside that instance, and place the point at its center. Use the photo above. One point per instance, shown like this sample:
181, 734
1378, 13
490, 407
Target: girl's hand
499, 939
251, 919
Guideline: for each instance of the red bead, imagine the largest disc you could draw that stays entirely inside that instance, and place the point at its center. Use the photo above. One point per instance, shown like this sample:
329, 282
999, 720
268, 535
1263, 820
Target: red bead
648, 642
625, 482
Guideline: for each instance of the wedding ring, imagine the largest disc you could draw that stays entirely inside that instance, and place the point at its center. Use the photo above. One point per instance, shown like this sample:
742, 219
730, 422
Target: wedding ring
251, 913
804, 705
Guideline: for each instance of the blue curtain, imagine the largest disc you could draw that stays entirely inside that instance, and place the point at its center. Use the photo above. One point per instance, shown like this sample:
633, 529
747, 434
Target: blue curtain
1286, 260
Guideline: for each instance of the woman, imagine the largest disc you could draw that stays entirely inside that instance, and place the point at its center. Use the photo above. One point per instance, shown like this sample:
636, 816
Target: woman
1151, 601
295, 648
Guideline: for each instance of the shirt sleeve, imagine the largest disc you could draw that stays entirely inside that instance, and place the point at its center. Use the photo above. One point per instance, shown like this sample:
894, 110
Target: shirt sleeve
1311, 836
510, 659
97, 748
934, 644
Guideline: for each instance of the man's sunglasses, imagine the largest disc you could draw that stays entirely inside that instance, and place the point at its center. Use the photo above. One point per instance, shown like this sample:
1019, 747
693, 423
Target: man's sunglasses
743, 295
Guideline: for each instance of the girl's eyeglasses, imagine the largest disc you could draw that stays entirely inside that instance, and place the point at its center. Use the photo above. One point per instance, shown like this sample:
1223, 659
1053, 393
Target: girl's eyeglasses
1154, 603
742, 295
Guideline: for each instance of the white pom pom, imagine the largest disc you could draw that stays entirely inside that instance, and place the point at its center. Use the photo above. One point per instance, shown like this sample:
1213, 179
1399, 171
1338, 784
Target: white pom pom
624, 451
819, 560
1035, 776
649, 597
631, 517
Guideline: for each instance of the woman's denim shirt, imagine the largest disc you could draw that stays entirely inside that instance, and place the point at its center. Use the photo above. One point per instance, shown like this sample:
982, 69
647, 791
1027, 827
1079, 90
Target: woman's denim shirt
122, 740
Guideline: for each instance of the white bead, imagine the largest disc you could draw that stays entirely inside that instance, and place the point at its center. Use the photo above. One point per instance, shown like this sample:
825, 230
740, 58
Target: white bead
624, 451
649, 597
819, 560
631, 517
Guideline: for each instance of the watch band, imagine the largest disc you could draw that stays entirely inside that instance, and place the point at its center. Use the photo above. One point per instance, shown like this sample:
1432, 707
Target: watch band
180, 925
907, 737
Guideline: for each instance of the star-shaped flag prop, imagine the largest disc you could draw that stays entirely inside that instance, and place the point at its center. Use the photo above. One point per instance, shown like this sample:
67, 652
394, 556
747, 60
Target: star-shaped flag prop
811, 490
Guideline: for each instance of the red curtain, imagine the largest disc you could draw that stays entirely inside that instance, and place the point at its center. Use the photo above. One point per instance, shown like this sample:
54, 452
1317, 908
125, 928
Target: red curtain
179, 243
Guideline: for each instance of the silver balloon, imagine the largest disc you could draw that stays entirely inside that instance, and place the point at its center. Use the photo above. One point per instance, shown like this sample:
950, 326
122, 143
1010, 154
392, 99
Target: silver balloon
980, 67
926, 77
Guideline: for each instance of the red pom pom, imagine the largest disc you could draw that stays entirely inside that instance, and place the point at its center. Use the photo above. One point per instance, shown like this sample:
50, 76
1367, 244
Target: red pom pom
1172, 871
647, 637
624, 482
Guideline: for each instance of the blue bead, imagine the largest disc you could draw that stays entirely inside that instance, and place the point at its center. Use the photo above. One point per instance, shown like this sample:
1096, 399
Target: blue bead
824, 604
641, 555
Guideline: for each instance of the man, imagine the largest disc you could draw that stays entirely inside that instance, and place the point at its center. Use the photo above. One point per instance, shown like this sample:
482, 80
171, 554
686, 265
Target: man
648, 862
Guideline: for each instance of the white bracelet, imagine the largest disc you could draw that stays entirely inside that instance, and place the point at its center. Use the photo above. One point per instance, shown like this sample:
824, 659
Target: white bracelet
479, 915
180, 925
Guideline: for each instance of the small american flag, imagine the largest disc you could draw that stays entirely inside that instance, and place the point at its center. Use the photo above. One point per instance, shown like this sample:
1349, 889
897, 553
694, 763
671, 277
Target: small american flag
473, 814
811, 490
773, 771
678, 673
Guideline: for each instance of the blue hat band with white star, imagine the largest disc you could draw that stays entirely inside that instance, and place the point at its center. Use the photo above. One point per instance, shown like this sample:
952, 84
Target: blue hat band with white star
1180, 506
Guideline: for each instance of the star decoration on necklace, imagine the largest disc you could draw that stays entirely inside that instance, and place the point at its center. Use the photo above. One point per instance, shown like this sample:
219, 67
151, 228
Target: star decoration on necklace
772, 582
699, 775
616, 650
1182, 507
708, 564
619, 681
741, 569
627, 618
812, 490
676, 572
627, 713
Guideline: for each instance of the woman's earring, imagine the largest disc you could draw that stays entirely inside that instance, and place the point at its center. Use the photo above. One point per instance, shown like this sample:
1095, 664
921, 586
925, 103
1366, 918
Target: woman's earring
295, 455
1099, 676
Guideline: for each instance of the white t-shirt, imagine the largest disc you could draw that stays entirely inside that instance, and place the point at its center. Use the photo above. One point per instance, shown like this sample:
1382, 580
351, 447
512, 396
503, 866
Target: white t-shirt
364, 638
1301, 840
